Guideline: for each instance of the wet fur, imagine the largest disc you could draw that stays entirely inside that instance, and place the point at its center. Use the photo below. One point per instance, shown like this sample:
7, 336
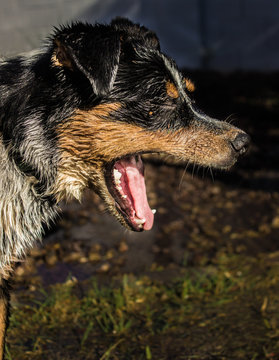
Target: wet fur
92, 95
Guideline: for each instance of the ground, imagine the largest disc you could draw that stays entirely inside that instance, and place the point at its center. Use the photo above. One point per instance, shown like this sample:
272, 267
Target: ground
203, 284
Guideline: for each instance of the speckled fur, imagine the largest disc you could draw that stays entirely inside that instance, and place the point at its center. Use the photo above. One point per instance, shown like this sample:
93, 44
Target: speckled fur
92, 95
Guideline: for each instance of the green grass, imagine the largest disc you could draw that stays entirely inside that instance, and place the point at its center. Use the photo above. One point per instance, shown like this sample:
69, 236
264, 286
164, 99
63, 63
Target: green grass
227, 310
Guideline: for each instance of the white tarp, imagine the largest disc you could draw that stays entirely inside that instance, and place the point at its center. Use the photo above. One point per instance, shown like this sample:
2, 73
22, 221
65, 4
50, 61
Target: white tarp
213, 34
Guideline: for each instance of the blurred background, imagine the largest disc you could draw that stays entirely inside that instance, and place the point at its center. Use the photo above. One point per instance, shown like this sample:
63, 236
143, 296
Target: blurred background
210, 34
204, 282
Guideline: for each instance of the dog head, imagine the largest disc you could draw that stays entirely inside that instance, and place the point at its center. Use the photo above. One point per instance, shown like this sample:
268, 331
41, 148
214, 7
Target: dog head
133, 100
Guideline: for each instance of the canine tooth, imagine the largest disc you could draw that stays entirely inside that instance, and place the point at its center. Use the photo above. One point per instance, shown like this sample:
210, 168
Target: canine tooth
140, 221
124, 196
140, 226
154, 211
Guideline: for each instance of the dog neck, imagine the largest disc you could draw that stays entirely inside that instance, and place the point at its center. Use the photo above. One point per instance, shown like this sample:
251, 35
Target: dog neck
23, 211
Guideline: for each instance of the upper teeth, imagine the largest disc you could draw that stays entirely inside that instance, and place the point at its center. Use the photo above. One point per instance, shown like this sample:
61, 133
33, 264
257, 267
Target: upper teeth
140, 221
117, 176
154, 211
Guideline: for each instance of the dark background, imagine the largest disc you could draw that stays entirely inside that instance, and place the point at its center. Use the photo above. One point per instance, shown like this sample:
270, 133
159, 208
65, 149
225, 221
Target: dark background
230, 50
213, 34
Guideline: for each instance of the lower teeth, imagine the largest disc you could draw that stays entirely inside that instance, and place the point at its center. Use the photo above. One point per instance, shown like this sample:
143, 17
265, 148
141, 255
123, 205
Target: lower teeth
140, 221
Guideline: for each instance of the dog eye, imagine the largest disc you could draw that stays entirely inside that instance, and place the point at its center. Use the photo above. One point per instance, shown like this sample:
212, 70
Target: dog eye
150, 113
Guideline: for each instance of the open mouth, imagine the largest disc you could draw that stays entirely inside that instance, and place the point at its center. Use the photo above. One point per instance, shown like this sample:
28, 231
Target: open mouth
126, 184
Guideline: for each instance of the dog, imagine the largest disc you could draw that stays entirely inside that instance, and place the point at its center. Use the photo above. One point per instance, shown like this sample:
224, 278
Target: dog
79, 113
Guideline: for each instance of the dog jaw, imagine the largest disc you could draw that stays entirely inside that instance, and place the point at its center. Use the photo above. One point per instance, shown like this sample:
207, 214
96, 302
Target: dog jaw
92, 141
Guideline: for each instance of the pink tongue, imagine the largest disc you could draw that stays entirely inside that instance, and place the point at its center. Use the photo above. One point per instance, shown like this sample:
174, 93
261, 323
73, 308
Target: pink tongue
134, 181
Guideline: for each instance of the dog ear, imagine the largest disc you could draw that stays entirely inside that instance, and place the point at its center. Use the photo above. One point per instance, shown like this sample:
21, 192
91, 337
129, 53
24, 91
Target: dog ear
95, 51
133, 31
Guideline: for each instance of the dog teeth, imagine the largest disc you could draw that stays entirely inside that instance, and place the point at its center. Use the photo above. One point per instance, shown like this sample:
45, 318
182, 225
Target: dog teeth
140, 226
117, 176
118, 187
140, 221
154, 211
124, 196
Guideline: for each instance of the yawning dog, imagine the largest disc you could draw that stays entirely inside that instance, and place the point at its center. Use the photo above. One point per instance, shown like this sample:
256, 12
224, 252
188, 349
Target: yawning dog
79, 113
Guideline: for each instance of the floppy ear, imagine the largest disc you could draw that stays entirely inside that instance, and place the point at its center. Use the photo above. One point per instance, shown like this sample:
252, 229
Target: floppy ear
94, 51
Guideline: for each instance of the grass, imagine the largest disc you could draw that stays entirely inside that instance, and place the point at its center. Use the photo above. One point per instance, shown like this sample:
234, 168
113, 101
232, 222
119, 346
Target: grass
227, 310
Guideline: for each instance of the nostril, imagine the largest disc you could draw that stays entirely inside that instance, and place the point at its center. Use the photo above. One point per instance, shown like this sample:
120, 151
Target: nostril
241, 142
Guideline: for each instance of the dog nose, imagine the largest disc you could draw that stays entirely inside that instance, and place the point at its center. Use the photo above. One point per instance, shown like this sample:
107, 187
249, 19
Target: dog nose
241, 142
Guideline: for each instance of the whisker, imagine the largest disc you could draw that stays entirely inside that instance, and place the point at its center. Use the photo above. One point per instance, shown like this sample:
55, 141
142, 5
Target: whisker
230, 119
203, 171
198, 169
193, 171
182, 176
194, 162
211, 173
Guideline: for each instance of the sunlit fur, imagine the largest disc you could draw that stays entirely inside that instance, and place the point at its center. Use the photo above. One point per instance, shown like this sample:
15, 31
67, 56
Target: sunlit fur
92, 95
66, 113
22, 212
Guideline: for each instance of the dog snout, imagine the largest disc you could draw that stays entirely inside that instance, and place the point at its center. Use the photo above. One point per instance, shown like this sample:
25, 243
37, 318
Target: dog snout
241, 142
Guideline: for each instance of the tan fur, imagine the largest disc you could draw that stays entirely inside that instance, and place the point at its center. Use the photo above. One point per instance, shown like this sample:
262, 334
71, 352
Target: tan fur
3, 317
60, 56
93, 138
189, 85
3, 321
172, 90
55, 61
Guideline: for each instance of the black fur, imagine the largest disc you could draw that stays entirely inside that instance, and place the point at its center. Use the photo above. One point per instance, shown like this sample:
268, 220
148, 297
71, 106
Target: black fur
55, 105
84, 66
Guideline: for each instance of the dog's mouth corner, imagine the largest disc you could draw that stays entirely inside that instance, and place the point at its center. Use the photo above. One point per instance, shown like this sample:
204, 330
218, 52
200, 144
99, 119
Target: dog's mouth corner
126, 184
